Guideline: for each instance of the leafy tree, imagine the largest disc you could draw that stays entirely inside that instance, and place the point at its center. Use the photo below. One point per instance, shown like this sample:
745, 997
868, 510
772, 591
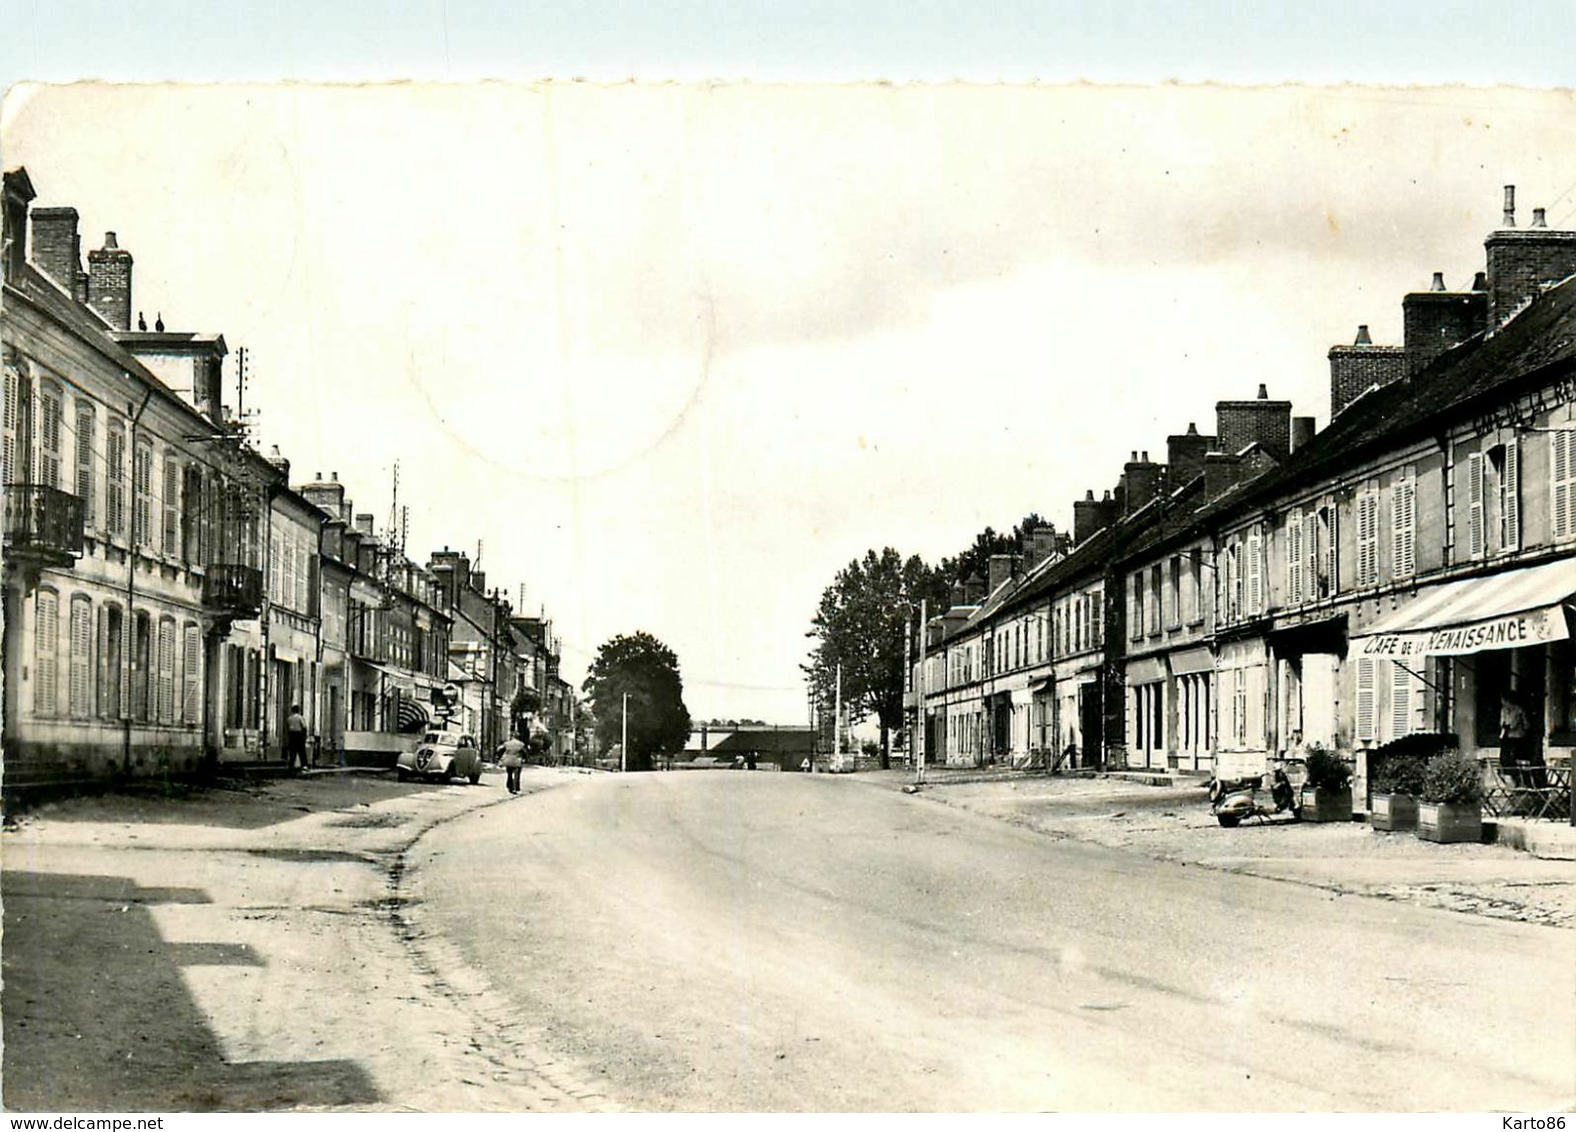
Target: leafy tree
860, 624
646, 670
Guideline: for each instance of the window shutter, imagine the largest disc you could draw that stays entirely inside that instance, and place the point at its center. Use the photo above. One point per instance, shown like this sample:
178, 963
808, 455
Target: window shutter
84, 447
1510, 498
1475, 505
1562, 475
1403, 524
1365, 698
9, 473
46, 639
1400, 701
81, 683
1255, 574
1294, 563
49, 439
191, 676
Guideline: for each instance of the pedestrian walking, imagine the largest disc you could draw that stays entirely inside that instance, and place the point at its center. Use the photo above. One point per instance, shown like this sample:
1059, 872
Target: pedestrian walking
512, 752
295, 739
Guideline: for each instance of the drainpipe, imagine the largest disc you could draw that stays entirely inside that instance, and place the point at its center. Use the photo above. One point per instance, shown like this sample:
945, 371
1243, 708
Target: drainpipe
131, 586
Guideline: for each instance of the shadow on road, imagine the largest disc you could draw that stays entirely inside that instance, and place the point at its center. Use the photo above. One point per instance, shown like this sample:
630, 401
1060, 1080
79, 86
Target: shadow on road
131, 1038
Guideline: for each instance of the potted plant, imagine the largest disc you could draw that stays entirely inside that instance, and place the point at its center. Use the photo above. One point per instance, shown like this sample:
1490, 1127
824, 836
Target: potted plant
1452, 805
1398, 778
1327, 789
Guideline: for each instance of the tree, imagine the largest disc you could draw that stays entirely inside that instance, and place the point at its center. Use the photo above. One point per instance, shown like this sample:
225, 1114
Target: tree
647, 671
860, 625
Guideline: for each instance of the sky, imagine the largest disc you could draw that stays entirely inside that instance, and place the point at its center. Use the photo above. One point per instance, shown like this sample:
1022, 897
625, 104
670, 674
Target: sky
674, 352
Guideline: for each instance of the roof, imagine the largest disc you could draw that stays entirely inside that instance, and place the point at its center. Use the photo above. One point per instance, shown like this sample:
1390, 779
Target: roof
764, 740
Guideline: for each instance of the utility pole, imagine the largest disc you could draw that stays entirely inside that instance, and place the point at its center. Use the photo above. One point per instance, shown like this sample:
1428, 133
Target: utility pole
837, 722
623, 747
919, 697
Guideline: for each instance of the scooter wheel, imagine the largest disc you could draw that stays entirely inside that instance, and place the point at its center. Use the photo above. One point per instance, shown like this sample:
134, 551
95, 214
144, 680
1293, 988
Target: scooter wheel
1230, 821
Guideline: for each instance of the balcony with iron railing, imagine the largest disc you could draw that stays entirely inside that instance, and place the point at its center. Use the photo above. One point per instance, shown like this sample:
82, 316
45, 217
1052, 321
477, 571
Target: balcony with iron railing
43, 525
233, 590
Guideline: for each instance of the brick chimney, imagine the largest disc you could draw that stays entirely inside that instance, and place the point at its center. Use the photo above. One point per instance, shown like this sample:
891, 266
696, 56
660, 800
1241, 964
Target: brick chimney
999, 568
1185, 454
1520, 263
452, 568
1261, 421
1437, 320
1042, 543
1303, 430
326, 495
1362, 366
1142, 480
109, 283
57, 249
364, 524
1091, 515
13, 222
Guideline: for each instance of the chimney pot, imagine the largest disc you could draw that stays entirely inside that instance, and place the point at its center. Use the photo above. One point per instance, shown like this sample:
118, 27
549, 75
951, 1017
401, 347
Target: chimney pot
1363, 338
1510, 206
1144, 457
1538, 220
109, 241
1089, 495
1439, 282
1264, 393
1192, 428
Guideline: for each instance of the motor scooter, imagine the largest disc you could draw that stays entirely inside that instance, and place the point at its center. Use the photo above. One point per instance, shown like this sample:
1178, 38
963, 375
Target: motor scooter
1233, 801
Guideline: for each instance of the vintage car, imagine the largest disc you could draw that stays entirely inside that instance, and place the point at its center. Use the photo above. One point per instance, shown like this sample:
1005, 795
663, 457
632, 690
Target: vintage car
442, 755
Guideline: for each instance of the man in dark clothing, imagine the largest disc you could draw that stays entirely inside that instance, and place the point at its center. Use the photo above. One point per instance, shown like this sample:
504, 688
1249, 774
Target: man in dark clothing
295, 739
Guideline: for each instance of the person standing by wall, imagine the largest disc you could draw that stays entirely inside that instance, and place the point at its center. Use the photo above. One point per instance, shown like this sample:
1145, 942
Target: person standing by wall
295, 740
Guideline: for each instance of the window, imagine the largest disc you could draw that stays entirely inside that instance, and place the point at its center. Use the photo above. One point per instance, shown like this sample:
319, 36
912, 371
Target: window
1403, 526
1368, 538
1195, 575
1239, 706
1295, 566
191, 672
49, 436
1153, 622
1407, 703
112, 640
13, 460
1562, 478
80, 694
170, 532
115, 479
46, 645
1136, 614
1365, 698
1509, 468
194, 524
1255, 574
84, 454
166, 672
142, 496
1174, 605
1323, 548
1475, 493
141, 667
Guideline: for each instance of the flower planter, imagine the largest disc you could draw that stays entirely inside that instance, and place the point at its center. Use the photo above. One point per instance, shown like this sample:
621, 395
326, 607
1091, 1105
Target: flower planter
1450, 821
1319, 804
1393, 812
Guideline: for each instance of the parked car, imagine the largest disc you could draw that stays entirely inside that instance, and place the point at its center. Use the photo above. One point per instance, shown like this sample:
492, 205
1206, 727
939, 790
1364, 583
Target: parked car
442, 755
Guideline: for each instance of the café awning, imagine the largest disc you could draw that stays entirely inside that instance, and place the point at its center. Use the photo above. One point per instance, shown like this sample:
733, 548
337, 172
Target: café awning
1510, 610
1190, 661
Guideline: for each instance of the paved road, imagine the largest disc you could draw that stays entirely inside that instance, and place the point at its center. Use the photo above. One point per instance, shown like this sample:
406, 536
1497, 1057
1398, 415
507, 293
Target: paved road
728, 941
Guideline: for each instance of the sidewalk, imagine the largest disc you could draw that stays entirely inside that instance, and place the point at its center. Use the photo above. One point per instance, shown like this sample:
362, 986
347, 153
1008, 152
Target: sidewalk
245, 947
1173, 823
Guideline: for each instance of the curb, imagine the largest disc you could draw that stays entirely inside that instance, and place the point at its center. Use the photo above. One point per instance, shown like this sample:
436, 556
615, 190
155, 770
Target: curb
1549, 841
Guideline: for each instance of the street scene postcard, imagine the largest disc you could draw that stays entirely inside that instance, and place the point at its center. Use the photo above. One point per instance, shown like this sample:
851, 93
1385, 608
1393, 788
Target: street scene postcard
642, 598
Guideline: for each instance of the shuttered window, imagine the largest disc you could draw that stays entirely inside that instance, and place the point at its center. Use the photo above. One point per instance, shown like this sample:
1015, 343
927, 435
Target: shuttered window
171, 543
11, 470
115, 479
1475, 505
1255, 574
1403, 527
142, 502
49, 436
1510, 498
1368, 538
46, 652
80, 696
1562, 480
1400, 701
84, 461
111, 639
166, 673
1295, 566
1365, 698
191, 675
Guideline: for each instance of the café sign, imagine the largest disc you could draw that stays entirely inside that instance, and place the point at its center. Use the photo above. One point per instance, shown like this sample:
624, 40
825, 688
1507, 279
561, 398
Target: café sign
1508, 631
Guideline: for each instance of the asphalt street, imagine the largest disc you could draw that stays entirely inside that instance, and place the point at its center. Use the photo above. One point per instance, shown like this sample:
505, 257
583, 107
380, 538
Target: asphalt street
732, 941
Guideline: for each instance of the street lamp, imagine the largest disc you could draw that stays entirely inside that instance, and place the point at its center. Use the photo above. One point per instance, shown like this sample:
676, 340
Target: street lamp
623, 747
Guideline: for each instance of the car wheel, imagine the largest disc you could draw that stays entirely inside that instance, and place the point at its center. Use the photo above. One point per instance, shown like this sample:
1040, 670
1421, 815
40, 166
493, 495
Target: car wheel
1228, 820
402, 774
476, 776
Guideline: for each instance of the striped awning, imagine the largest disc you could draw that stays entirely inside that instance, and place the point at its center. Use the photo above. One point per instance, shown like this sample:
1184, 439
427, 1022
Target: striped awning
1510, 610
412, 715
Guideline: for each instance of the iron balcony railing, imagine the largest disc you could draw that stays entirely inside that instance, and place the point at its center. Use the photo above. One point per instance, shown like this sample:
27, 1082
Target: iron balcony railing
233, 589
42, 522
